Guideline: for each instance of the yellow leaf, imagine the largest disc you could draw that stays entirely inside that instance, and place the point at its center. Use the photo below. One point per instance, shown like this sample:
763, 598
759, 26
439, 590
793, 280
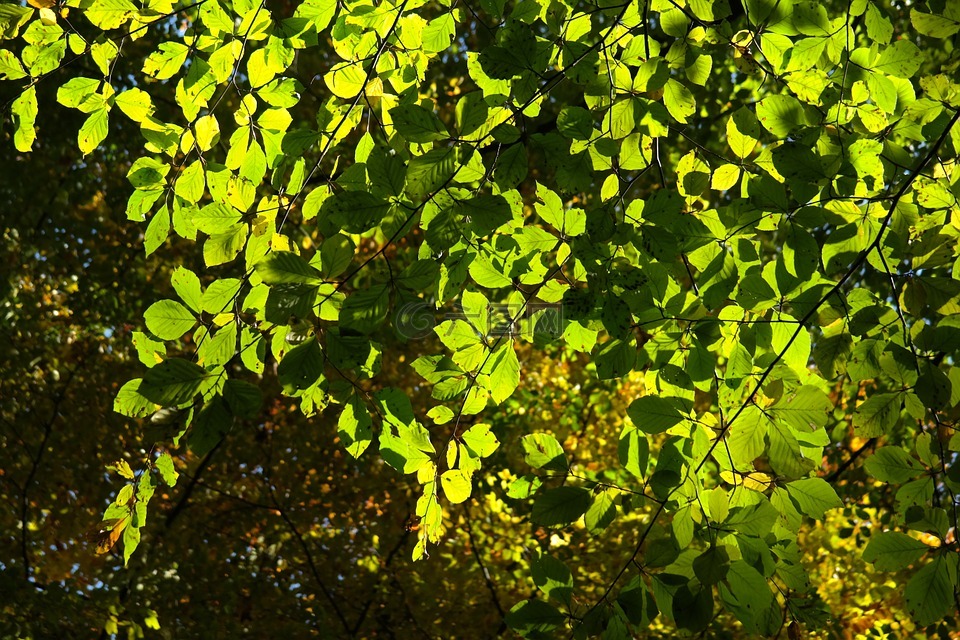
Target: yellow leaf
48, 16
109, 533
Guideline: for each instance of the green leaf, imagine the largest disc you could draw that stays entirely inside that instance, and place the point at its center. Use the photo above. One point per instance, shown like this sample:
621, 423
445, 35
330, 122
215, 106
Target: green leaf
878, 415
542, 451
167, 471
221, 248
712, 565
804, 410
429, 172
457, 485
148, 173
122, 467
533, 617
167, 61
746, 435
480, 440
216, 218
634, 451
210, 427
462, 338
524, 487
408, 450
336, 254
319, 12
10, 67
168, 319
942, 26
505, 373
930, 592
157, 231
679, 100
260, 72
575, 122
131, 403
638, 603
893, 464
902, 59
221, 295
893, 551
24, 112
242, 398
301, 368
878, 25
76, 91
191, 183
354, 211
206, 132
560, 506
355, 427
602, 511
149, 351
568, 221
814, 496
12, 17
512, 167
615, 358
173, 382
131, 540
135, 104
784, 452
284, 267
780, 114
692, 607
552, 577
110, 14
417, 124
439, 33
749, 588
500, 63
365, 310
94, 130
419, 276
653, 414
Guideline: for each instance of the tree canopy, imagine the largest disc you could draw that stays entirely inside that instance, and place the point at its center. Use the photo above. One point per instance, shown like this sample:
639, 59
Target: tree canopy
470, 318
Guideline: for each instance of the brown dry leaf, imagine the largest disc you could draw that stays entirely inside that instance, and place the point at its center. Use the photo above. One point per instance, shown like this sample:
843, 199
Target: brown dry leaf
110, 531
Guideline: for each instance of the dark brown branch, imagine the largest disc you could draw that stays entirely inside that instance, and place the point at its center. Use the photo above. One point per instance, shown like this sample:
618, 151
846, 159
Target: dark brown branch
485, 572
366, 605
310, 563
191, 487
849, 461
35, 467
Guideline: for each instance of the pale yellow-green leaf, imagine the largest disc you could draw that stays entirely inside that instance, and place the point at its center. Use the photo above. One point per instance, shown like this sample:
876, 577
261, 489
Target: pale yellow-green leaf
94, 130
679, 101
610, 188
135, 104
457, 485
258, 71
190, 183
24, 112
10, 67
207, 131
103, 53
110, 14
346, 80
725, 177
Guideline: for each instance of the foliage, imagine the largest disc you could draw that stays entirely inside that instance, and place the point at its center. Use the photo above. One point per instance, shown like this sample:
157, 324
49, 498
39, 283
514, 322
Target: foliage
624, 300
